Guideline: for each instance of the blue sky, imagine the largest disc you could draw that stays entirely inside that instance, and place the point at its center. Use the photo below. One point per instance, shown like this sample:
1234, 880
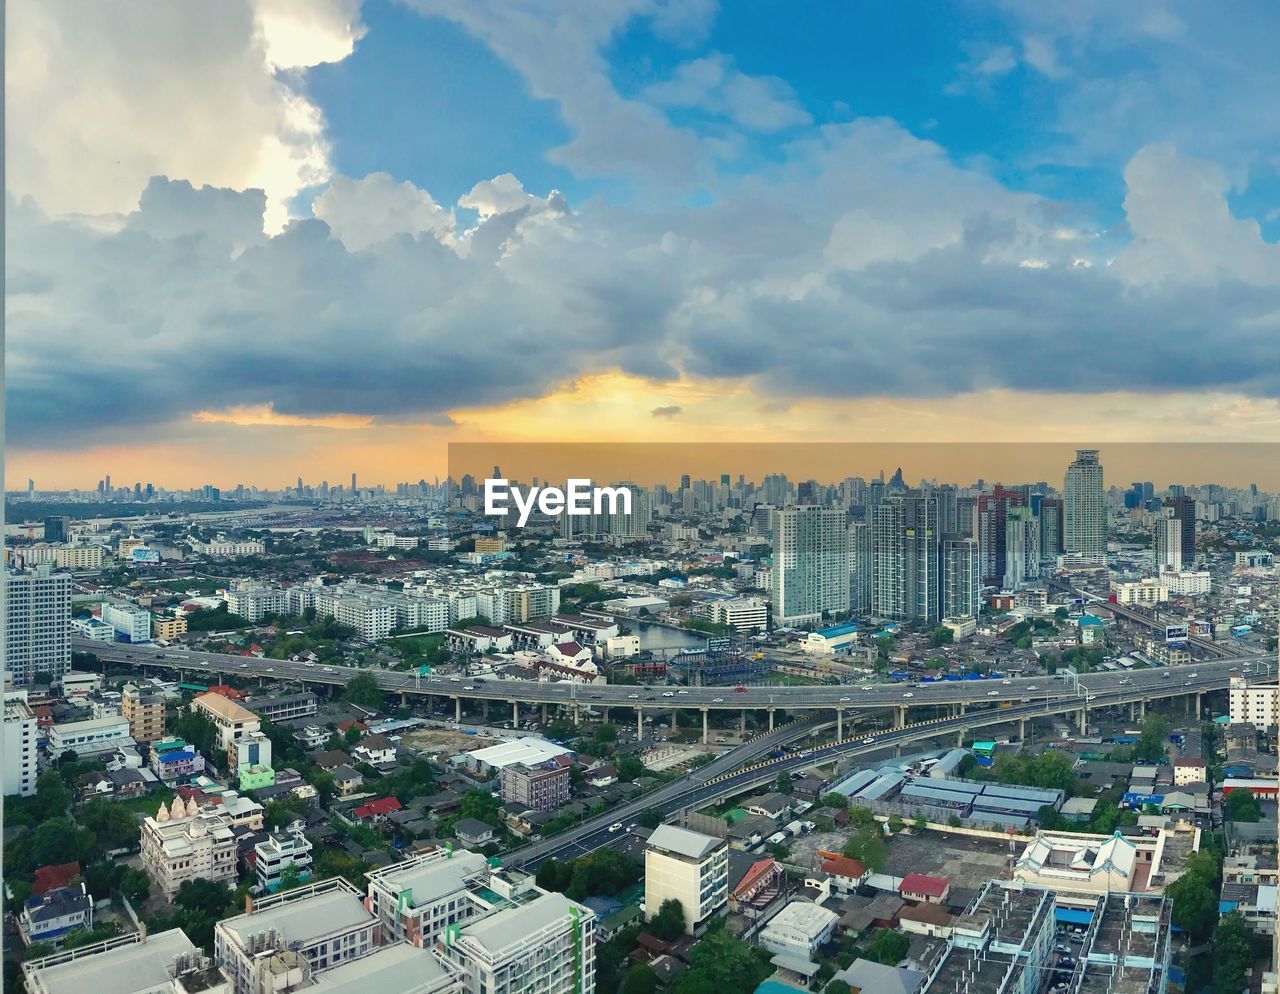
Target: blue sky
770, 220
426, 100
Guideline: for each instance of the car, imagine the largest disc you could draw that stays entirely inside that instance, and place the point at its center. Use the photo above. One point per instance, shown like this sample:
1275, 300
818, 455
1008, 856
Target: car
1164, 676
616, 827
668, 693
868, 740
1032, 687
682, 691
633, 697
1194, 675
739, 690
845, 700
993, 693
1006, 682
908, 694
717, 700
1092, 697
470, 687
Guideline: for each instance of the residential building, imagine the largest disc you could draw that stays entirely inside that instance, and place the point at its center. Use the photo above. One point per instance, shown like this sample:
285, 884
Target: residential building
546, 945
175, 761
924, 889
399, 967
376, 750
283, 707
1022, 547
1257, 703
906, 553
80, 684
131, 623
1080, 863
93, 628
1188, 583
417, 900
51, 916
1183, 510
810, 563
992, 513
225, 548
743, 614
1084, 512
184, 843
796, 932
527, 750
37, 628
279, 851
135, 963
543, 787
253, 602
861, 567
688, 867
144, 712
91, 737
1146, 591
1168, 544
232, 720
325, 924
961, 578
473, 832
1189, 769
166, 628
20, 745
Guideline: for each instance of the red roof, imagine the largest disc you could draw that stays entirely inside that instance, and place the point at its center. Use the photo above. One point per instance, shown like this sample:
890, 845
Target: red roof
919, 883
382, 806
760, 868
569, 648
843, 866
50, 877
230, 693
352, 723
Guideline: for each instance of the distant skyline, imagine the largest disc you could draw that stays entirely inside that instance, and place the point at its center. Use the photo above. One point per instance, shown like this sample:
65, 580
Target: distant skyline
262, 238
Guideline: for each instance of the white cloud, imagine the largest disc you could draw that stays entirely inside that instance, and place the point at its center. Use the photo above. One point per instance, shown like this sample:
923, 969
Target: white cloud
712, 84
364, 212
101, 97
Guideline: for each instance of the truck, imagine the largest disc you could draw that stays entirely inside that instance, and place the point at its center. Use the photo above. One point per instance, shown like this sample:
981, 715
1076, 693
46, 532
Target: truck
777, 838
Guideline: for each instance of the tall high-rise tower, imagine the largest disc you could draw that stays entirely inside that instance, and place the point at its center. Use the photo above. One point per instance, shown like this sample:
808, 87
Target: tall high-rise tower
810, 563
1084, 515
906, 554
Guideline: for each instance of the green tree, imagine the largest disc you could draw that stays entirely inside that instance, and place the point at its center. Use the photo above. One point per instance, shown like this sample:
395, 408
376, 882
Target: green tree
782, 783
953, 821
630, 768
482, 806
135, 885
363, 689
941, 636
1233, 953
836, 987
895, 824
198, 730
52, 796
1242, 805
650, 818
668, 923
639, 979
113, 827
887, 947
868, 847
1195, 894
61, 840
920, 823
720, 963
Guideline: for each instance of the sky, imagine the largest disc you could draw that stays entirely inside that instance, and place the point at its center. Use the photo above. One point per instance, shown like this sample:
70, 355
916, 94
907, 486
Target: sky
269, 238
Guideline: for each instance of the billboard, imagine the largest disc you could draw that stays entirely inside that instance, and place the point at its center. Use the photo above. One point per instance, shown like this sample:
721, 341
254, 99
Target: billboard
144, 556
1175, 633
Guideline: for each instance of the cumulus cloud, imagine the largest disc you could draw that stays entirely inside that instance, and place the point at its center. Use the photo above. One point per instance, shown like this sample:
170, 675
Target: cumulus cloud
364, 212
101, 97
865, 264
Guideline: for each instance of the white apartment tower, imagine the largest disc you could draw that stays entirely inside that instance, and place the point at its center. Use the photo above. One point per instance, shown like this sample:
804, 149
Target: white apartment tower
810, 563
688, 867
1084, 518
19, 745
37, 625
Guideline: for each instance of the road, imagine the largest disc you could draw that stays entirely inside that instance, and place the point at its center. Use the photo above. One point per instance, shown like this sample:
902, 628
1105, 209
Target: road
845, 697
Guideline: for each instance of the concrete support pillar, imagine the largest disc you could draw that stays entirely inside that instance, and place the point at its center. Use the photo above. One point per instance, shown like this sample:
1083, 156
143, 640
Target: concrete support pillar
742, 723
575, 713
960, 739
901, 720
839, 724
544, 713
1083, 720
1133, 710
639, 724
771, 719
1199, 704
706, 731
402, 699
1142, 709
515, 714
457, 709
1022, 730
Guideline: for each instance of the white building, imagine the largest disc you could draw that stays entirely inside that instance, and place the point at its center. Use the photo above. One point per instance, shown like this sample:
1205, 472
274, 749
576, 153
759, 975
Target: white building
745, 614
279, 851
1145, 591
93, 628
546, 945
136, 963
90, 737
20, 748
1188, 583
810, 563
37, 629
688, 867
797, 931
232, 721
253, 603
528, 749
1256, 703
184, 843
51, 916
225, 548
419, 899
1084, 512
131, 623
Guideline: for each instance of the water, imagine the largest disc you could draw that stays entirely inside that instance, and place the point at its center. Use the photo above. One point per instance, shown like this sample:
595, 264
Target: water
665, 640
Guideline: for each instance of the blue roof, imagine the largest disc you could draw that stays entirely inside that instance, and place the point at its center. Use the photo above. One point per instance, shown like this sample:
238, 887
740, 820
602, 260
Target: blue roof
775, 987
848, 628
1072, 916
1090, 619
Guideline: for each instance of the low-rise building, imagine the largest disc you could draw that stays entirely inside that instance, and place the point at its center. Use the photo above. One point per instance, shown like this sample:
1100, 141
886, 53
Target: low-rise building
1075, 862
283, 707
130, 622
543, 787
1188, 770
687, 867
233, 721
51, 916
280, 851
167, 627
137, 963
91, 737
183, 843
325, 924
144, 712
175, 761
796, 932
419, 899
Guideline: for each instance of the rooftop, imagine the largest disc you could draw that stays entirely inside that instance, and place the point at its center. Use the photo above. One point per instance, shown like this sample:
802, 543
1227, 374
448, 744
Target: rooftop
120, 969
302, 915
683, 842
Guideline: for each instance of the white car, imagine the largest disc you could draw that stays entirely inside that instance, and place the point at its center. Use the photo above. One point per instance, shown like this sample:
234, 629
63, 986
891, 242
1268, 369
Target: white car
1164, 676
1092, 697
616, 827
633, 697
868, 740
1006, 682
845, 700
908, 694
669, 693
993, 693
1194, 675
682, 691
1032, 687
717, 700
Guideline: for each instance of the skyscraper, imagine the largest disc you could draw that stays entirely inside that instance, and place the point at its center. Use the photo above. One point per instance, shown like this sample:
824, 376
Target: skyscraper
37, 625
1183, 509
1050, 528
961, 578
993, 510
635, 524
1168, 543
860, 567
1022, 547
1084, 516
906, 554
810, 563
